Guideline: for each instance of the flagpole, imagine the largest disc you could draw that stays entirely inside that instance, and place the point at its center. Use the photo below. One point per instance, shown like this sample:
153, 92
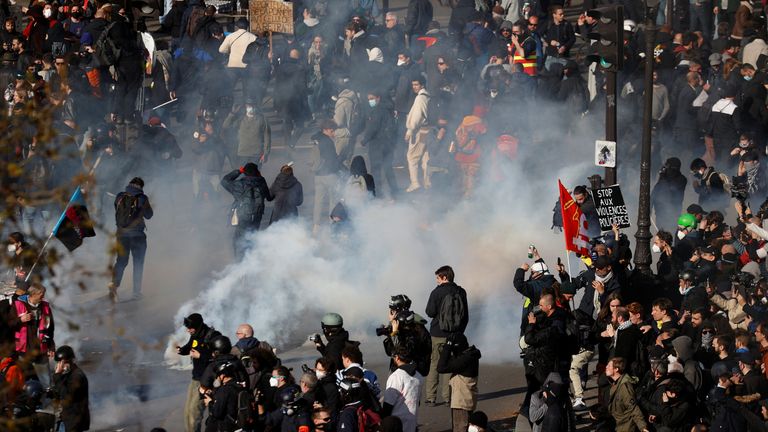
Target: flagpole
56, 227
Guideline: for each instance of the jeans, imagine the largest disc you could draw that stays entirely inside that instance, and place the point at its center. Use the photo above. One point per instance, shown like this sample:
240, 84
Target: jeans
701, 19
137, 247
435, 380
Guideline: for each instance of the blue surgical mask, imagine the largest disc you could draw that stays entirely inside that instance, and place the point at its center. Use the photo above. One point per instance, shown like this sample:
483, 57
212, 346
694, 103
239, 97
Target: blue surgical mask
747, 78
372, 102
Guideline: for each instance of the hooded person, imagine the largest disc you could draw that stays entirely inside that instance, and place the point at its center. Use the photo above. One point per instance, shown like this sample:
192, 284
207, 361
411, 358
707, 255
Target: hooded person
550, 410
462, 361
378, 76
667, 195
288, 193
200, 348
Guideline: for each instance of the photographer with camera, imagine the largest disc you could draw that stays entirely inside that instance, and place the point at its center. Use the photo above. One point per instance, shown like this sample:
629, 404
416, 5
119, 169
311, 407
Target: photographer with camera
544, 336
222, 402
702, 264
406, 330
221, 353
292, 415
338, 338
462, 361
70, 391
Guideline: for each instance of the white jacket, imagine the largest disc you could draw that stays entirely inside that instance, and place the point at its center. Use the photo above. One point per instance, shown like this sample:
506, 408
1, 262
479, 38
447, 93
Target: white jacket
419, 113
235, 45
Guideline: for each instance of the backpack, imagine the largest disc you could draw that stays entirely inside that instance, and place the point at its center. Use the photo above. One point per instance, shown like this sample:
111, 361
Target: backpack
367, 419
195, 17
253, 374
246, 207
452, 312
105, 50
247, 412
723, 178
127, 210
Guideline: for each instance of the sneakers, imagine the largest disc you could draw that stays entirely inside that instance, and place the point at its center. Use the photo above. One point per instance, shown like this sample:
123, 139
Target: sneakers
112, 292
579, 405
413, 187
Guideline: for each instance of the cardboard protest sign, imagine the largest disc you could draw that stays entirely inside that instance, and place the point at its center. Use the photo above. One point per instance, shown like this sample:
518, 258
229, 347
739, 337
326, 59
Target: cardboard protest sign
271, 15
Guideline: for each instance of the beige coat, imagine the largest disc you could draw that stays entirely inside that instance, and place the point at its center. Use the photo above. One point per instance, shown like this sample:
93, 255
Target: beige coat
463, 392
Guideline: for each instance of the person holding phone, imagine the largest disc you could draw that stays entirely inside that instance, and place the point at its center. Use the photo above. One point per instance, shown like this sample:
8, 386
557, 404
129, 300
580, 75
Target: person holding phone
70, 391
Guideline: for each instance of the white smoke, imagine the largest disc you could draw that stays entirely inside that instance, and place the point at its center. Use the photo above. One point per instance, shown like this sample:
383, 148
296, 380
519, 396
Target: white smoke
289, 279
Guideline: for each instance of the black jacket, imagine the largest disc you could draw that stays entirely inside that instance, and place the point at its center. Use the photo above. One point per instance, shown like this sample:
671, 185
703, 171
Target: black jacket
137, 227
71, 390
334, 347
223, 409
532, 289
325, 160
380, 128
418, 17
435, 302
327, 393
544, 339
416, 338
627, 345
200, 342
288, 194
249, 193
465, 363
667, 197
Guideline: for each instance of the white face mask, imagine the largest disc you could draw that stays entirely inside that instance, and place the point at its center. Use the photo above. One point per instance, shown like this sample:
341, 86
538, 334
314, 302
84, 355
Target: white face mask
11, 248
400, 62
250, 111
680, 234
47, 13
216, 383
762, 253
273, 382
655, 248
473, 428
321, 374
684, 291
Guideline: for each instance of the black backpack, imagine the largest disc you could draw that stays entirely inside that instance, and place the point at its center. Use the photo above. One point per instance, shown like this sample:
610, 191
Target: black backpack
247, 411
557, 216
452, 312
640, 364
573, 337
247, 204
127, 210
253, 374
105, 51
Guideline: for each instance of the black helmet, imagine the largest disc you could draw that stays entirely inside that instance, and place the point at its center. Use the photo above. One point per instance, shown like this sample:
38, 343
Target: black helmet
399, 302
65, 352
350, 390
34, 391
221, 345
227, 368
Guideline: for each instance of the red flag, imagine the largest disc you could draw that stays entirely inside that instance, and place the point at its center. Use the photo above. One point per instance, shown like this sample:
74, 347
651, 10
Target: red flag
574, 223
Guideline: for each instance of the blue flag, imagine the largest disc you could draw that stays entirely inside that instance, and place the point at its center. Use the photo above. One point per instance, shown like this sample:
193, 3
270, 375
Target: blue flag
74, 224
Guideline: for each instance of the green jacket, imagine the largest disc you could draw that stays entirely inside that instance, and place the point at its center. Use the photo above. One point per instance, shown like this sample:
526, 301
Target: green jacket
623, 407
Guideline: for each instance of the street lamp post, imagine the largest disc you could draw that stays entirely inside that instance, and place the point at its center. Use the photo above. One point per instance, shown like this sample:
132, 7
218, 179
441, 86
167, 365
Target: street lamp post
643, 236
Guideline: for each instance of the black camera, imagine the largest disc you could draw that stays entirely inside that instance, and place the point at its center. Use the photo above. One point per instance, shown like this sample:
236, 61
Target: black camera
314, 338
745, 280
384, 331
740, 190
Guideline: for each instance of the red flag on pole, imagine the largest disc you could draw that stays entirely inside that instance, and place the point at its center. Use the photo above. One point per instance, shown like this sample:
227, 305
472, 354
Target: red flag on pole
574, 223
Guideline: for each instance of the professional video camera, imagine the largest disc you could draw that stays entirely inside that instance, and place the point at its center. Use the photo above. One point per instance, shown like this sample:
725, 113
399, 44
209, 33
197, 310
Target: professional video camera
405, 317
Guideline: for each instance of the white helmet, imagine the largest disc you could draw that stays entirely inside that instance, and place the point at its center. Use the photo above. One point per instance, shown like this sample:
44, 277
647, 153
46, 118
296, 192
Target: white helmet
630, 25
539, 267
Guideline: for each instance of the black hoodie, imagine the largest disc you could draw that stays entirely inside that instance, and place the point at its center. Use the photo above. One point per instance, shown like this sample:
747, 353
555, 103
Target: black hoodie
289, 195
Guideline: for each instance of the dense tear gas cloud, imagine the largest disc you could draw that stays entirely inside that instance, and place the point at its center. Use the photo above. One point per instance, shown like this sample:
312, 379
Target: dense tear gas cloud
288, 276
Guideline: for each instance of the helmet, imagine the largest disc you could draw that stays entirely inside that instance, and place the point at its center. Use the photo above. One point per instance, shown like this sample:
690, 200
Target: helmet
400, 301
227, 369
688, 275
332, 319
64, 352
686, 220
539, 267
630, 25
33, 390
221, 345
